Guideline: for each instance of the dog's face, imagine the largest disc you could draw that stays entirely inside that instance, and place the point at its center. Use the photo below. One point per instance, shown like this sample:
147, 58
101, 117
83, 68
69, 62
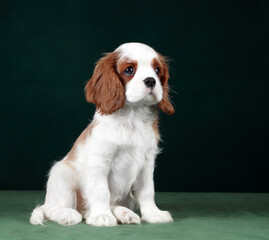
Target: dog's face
133, 74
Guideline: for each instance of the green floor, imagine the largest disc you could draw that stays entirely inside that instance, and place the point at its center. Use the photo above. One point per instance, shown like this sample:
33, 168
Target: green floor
202, 216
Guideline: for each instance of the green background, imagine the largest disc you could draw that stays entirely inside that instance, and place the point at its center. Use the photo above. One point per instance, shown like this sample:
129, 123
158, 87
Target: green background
197, 216
218, 138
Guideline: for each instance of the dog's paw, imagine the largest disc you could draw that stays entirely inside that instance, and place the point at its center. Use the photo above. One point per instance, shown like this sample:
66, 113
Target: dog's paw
102, 220
157, 217
65, 216
125, 215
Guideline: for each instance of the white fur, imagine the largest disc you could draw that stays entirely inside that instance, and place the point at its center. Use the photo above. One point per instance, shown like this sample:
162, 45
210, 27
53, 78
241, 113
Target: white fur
136, 89
115, 160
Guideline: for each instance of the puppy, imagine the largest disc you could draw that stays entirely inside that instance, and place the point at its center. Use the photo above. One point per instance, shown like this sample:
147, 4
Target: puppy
110, 168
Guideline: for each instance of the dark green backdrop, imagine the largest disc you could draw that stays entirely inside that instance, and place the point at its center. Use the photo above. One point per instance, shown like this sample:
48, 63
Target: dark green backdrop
218, 138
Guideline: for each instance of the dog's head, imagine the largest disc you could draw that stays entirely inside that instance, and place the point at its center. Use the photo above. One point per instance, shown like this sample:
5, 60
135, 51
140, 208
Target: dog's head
133, 74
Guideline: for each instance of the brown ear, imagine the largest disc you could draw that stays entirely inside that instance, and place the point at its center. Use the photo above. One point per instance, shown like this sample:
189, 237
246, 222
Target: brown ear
105, 88
165, 104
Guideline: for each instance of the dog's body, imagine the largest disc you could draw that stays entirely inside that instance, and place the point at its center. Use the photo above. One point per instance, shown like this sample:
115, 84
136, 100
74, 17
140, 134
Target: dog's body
114, 156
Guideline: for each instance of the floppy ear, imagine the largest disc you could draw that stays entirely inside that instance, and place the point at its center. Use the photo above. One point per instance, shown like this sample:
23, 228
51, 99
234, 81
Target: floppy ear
105, 88
165, 104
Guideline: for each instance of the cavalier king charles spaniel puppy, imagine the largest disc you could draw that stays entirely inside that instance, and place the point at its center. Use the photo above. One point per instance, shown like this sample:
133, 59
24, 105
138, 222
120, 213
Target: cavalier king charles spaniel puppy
109, 170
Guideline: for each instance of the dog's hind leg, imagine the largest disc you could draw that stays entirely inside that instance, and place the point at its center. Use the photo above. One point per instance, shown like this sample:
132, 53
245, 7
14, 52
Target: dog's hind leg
61, 199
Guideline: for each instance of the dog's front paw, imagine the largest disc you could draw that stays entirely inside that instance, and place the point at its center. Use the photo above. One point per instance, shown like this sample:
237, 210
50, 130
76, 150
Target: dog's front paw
125, 215
65, 216
102, 220
157, 217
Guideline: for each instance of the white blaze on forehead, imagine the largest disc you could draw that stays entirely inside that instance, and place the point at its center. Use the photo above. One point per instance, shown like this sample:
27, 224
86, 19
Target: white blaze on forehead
136, 51
135, 90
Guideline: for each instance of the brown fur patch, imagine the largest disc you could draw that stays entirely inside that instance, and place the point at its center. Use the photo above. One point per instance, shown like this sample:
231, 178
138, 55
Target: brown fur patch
155, 127
121, 66
80, 140
165, 105
105, 89
156, 64
80, 201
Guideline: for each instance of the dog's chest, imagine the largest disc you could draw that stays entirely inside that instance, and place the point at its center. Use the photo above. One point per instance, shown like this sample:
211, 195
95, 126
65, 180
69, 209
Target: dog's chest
136, 141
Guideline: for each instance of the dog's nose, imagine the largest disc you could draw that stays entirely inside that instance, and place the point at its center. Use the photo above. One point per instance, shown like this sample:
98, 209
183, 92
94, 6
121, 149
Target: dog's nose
150, 82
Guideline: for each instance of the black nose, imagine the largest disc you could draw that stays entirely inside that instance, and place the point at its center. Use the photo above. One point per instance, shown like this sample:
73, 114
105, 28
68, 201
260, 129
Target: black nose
150, 82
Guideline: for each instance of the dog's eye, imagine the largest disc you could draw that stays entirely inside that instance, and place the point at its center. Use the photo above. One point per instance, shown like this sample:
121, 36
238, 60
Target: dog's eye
157, 70
129, 71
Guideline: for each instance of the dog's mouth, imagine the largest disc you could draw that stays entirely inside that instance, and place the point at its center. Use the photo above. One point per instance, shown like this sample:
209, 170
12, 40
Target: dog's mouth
150, 97
150, 91
153, 93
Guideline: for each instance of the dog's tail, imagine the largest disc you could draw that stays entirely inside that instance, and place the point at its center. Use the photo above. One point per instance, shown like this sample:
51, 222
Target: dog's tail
38, 216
